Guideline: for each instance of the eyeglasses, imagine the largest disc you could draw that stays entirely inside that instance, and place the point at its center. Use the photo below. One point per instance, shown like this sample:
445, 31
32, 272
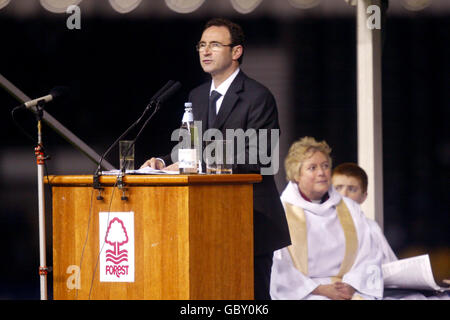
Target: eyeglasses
213, 46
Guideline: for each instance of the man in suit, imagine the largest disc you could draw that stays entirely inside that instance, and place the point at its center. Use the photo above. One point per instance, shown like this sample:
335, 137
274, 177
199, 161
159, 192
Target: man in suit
234, 101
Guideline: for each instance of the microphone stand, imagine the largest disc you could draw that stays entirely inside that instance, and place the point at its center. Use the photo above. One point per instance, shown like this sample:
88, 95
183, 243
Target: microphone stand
96, 182
162, 95
122, 173
40, 161
158, 105
97, 174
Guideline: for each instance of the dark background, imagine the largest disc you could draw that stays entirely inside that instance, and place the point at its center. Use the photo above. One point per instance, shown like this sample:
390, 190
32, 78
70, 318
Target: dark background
114, 65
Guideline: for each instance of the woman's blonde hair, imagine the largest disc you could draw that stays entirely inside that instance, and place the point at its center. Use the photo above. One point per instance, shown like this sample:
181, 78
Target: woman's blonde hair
300, 151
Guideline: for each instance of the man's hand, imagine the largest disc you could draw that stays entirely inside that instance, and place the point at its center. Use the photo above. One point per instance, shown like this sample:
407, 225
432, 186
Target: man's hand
172, 167
153, 163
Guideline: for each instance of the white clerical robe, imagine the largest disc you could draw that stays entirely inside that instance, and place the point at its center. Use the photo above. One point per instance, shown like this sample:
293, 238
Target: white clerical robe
380, 239
325, 251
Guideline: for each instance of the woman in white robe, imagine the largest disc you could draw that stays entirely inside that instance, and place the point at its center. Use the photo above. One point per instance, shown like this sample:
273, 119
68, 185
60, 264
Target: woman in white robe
323, 262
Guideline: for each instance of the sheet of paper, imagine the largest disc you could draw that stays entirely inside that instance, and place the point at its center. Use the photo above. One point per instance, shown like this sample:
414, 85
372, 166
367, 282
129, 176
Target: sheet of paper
146, 170
410, 273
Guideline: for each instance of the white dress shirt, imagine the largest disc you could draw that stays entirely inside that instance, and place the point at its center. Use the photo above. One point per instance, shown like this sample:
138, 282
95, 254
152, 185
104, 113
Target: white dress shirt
223, 88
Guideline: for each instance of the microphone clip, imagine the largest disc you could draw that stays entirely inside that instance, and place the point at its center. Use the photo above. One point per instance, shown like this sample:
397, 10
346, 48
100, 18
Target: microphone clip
121, 185
39, 113
97, 185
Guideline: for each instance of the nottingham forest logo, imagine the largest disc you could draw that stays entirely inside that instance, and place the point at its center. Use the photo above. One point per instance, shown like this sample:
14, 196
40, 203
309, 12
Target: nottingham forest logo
117, 246
116, 236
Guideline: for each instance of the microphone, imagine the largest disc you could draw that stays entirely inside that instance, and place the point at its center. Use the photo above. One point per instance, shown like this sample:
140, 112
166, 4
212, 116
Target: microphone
54, 94
155, 99
166, 95
161, 91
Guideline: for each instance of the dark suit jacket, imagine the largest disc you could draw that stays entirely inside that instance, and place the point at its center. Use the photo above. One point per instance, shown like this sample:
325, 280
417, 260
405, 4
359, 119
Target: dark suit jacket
248, 104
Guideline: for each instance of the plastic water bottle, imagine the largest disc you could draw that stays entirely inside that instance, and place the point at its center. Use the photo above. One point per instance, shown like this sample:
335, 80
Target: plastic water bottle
188, 154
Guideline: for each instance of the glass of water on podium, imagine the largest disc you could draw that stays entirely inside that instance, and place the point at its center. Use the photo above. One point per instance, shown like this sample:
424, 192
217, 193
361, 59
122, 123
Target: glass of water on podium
126, 153
219, 159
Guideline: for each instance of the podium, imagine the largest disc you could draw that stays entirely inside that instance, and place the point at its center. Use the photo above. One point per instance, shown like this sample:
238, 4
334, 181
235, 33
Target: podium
177, 237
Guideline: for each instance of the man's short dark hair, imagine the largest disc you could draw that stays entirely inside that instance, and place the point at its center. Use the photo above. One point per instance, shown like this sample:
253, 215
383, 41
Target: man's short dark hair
351, 169
236, 32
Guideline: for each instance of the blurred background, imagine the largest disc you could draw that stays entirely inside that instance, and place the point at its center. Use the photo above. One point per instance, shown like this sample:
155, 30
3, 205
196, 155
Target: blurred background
304, 51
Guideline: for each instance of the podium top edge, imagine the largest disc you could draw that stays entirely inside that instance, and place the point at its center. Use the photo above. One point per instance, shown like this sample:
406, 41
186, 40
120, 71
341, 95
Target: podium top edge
148, 180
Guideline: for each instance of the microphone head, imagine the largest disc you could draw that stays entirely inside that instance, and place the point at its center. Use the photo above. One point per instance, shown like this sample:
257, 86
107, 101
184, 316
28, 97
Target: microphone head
59, 91
166, 95
162, 90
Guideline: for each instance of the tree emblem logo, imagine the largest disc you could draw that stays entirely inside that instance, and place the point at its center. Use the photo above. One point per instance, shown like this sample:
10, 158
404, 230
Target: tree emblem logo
116, 236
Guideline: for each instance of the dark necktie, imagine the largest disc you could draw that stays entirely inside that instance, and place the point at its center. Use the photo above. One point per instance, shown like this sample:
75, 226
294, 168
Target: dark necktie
212, 107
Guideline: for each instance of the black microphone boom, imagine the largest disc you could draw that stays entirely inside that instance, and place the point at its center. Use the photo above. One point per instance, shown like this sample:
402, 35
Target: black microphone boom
162, 90
156, 96
166, 95
155, 99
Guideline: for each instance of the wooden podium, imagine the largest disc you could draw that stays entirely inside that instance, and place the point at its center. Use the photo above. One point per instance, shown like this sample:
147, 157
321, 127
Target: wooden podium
193, 236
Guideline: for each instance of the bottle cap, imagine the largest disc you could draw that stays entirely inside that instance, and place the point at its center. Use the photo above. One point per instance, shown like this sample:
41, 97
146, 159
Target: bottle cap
187, 116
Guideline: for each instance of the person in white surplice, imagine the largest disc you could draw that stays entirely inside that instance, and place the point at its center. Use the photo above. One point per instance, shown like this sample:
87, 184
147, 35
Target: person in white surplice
351, 181
333, 255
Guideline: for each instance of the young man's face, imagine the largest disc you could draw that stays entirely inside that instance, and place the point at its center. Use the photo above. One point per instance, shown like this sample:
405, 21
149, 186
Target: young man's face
349, 187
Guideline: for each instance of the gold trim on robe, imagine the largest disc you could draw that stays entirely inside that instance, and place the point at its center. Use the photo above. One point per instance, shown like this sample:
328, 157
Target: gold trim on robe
299, 248
297, 228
